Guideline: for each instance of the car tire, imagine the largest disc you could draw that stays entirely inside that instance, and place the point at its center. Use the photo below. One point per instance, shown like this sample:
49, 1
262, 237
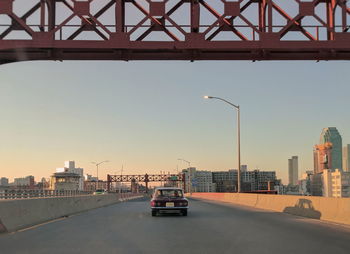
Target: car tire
154, 213
184, 212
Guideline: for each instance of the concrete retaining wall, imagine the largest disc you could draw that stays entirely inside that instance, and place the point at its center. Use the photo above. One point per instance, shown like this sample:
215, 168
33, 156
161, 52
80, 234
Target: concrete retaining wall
328, 209
22, 213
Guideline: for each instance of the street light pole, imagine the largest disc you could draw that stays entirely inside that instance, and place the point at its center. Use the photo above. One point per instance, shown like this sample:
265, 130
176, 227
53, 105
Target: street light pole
97, 164
189, 174
121, 178
237, 107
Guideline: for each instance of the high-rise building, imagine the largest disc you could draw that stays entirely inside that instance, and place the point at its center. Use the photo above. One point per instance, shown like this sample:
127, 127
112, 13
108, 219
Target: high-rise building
331, 135
4, 181
322, 157
293, 170
346, 158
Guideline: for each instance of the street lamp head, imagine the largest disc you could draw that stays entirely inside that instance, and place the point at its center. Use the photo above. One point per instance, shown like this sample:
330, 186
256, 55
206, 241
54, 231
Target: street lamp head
208, 97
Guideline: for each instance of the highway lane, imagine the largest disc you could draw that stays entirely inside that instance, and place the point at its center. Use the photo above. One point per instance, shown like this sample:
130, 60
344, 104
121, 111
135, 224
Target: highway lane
209, 228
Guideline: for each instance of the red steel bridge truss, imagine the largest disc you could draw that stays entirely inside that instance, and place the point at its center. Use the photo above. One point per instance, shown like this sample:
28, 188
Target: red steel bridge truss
174, 30
146, 179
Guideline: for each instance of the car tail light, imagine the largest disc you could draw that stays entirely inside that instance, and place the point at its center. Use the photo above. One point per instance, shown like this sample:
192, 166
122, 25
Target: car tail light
153, 203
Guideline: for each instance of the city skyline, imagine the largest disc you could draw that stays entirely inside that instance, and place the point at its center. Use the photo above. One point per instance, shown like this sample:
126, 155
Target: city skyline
146, 122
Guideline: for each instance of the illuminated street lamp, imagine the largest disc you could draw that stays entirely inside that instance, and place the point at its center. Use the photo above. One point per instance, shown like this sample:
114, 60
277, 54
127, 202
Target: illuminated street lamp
189, 174
238, 136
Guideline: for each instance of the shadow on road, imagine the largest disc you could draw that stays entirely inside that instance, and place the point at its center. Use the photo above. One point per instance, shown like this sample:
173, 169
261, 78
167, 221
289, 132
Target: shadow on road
305, 208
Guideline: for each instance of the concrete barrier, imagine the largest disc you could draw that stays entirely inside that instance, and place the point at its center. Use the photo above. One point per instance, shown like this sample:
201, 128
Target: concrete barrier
321, 208
23, 213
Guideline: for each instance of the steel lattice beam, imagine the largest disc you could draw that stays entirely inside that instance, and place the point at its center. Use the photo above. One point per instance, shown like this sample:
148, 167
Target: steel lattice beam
149, 30
145, 178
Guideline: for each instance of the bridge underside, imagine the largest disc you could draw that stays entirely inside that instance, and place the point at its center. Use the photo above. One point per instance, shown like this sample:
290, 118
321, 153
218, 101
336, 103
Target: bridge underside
254, 54
174, 30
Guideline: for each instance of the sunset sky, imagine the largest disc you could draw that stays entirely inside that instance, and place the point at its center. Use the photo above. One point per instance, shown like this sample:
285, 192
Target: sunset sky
146, 115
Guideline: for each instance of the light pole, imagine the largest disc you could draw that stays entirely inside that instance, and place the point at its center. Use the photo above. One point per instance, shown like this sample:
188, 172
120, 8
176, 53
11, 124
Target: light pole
97, 164
121, 178
189, 174
238, 136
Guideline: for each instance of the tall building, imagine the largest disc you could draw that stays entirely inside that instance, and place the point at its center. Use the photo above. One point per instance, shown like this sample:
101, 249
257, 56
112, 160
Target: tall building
293, 170
331, 135
4, 181
346, 158
69, 167
322, 157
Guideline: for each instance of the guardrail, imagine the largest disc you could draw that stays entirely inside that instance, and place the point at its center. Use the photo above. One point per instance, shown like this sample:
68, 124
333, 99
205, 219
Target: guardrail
20, 194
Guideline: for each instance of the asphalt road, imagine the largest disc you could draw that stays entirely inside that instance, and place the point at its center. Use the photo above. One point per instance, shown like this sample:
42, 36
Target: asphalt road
208, 228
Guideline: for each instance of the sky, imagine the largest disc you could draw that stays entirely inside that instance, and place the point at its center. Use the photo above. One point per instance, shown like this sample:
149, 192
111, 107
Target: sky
146, 115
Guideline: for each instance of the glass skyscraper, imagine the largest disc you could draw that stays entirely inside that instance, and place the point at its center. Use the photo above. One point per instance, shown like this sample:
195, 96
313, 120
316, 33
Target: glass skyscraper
332, 135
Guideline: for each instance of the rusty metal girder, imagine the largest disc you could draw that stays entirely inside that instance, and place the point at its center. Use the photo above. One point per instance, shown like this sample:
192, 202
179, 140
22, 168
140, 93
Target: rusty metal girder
144, 178
174, 30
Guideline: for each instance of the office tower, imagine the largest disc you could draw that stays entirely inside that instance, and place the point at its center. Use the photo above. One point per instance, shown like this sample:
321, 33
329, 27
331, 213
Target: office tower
293, 170
331, 135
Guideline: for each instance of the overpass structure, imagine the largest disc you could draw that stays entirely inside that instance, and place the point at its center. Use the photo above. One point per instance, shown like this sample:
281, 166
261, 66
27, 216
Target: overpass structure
174, 30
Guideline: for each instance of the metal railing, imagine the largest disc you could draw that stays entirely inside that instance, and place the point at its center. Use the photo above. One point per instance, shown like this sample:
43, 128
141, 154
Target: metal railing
21, 194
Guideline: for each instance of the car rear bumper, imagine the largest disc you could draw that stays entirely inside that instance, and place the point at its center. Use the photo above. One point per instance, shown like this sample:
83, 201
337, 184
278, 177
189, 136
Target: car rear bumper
170, 208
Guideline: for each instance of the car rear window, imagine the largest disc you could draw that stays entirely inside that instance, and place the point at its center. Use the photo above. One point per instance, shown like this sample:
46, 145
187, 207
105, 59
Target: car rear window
169, 193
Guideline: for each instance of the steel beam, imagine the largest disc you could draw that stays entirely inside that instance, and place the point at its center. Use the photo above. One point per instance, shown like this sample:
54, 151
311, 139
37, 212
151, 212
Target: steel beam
233, 33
